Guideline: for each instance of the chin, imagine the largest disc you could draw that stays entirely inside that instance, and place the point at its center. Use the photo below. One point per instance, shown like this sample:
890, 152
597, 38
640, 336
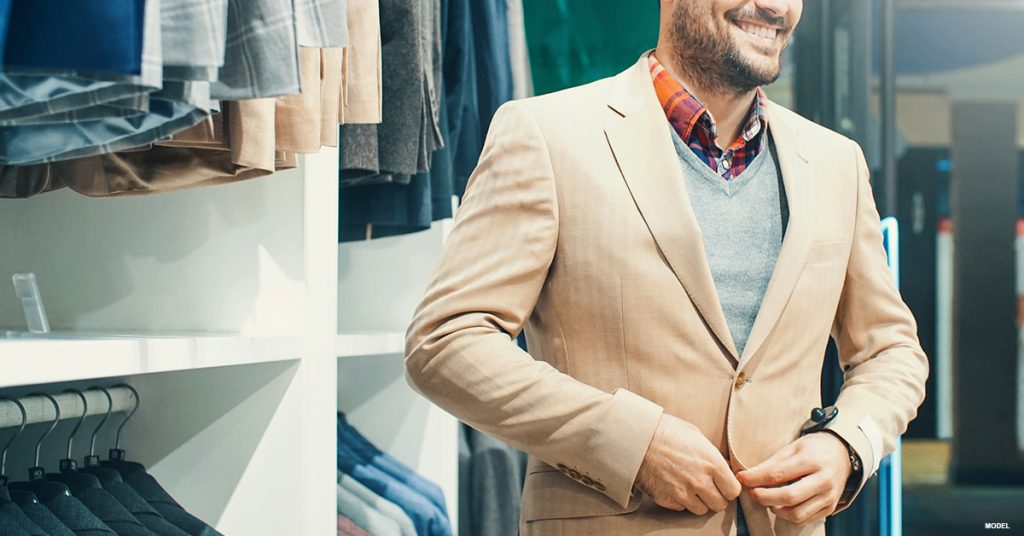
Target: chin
765, 67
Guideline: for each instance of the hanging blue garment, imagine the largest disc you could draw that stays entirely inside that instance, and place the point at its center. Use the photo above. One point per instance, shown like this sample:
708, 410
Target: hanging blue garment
77, 119
5, 13
29, 95
50, 34
427, 518
369, 453
493, 63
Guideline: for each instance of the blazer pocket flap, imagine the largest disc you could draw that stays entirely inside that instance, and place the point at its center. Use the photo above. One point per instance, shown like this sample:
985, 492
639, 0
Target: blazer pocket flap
552, 495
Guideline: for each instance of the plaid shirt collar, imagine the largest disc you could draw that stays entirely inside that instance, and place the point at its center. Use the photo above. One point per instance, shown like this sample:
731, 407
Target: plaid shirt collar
695, 126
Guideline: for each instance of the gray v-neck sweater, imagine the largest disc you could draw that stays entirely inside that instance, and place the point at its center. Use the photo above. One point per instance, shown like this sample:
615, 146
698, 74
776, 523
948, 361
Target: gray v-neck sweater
742, 222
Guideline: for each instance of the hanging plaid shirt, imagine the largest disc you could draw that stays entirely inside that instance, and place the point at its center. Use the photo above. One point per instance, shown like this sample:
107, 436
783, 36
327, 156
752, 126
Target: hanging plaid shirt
695, 126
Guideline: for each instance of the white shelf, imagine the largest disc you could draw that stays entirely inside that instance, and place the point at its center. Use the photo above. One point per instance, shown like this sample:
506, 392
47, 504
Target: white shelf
369, 343
35, 360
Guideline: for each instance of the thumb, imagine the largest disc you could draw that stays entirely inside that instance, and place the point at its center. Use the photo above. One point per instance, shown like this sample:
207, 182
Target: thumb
755, 471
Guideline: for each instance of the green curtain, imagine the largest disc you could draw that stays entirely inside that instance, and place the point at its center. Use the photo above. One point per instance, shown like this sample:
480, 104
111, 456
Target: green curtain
573, 42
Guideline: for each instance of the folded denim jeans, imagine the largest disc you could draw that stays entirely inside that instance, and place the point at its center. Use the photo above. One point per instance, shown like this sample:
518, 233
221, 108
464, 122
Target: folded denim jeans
36, 144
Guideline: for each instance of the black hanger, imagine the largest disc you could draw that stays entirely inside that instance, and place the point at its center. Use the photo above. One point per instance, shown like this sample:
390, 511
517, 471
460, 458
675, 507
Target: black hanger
147, 487
69, 474
92, 461
21, 428
37, 484
5, 495
116, 456
21, 497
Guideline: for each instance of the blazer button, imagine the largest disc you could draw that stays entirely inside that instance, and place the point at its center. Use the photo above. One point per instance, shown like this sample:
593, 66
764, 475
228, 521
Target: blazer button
741, 379
587, 480
600, 487
574, 474
563, 469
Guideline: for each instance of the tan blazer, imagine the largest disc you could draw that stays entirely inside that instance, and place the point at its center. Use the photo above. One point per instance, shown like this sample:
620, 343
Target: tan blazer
576, 225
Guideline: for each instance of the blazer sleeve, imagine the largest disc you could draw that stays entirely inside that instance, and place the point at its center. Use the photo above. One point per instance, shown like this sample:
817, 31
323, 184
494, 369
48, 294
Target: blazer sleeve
884, 367
460, 351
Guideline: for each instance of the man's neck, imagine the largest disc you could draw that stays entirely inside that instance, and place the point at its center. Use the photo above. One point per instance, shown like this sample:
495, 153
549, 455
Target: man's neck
729, 109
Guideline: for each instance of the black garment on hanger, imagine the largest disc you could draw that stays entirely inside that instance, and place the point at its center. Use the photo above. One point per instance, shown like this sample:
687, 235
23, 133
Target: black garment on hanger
40, 515
9, 526
111, 512
10, 509
112, 482
77, 517
86, 488
69, 510
135, 475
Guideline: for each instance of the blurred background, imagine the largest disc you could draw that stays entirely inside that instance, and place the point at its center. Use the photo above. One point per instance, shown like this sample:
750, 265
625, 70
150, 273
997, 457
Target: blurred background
933, 92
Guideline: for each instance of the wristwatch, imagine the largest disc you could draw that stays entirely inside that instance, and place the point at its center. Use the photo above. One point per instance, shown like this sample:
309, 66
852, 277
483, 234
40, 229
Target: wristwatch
820, 418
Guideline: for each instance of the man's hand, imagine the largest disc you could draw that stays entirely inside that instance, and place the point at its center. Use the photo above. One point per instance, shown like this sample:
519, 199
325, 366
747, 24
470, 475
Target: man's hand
803, 481
684, 471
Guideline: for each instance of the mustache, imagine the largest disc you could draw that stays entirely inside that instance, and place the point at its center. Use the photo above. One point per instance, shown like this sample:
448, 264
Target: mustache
754, 14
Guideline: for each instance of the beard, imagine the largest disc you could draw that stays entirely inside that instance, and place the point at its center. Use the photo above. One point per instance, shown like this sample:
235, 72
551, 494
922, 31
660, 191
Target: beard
710, 57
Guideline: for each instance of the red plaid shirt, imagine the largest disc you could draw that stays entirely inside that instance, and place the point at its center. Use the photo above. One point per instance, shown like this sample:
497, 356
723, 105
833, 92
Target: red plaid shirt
695, 126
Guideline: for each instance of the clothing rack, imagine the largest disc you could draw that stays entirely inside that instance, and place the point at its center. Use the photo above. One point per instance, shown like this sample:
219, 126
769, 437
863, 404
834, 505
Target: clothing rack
39, 409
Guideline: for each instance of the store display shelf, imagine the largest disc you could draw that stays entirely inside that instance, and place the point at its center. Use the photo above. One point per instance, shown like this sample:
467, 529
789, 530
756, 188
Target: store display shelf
358, 344
28, 360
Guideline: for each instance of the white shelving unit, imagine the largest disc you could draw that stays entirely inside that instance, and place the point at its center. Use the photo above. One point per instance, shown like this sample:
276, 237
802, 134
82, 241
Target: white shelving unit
67, 357
370, 343
244, 326
380, 283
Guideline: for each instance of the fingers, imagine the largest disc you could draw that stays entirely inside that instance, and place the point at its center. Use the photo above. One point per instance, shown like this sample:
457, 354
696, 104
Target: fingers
809, 511
721, 486
776, 472
683, 503
713, 499
670, 504
694, 504
699, 502
728, 485
707, 491
793, 494
822, 514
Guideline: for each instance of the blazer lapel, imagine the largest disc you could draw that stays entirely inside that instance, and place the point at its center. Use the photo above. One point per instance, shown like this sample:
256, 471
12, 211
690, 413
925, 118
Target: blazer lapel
796, 245
641, 142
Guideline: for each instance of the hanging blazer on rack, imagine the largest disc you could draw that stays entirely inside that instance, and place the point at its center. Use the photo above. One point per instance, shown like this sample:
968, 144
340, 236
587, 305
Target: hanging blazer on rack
10, 512
577, 225
40, 515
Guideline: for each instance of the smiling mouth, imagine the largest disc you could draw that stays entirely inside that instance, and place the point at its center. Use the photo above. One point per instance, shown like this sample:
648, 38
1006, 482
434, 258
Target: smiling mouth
763, 34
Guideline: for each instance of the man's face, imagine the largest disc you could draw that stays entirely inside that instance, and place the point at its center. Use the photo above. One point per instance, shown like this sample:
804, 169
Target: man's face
733, 45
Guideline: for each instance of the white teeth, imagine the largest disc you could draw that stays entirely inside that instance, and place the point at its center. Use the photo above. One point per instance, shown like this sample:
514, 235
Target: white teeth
759, 31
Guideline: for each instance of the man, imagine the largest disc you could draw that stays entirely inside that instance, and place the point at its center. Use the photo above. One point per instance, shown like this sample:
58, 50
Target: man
679, 250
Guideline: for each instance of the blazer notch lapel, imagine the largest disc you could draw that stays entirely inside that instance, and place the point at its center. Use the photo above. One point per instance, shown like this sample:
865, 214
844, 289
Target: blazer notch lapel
799, 184
641, 144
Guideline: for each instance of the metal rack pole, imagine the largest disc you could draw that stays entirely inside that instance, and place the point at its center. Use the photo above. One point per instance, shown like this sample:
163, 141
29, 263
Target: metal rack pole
40, 409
